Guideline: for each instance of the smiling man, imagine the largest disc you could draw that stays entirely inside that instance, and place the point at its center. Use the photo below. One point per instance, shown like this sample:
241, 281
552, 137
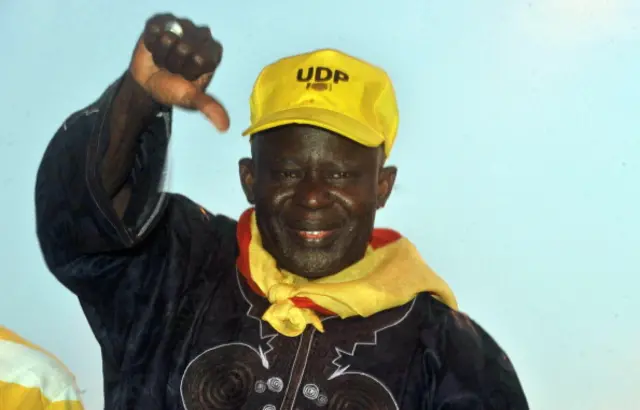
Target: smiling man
300, 303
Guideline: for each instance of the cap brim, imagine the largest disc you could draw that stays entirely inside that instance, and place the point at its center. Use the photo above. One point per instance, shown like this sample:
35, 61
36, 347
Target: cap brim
322, 118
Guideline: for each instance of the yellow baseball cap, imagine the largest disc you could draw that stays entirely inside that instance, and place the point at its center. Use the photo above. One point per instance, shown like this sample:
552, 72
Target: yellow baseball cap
327, 89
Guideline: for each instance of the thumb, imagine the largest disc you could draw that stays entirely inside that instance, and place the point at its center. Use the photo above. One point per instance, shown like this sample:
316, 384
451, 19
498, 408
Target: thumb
212, 109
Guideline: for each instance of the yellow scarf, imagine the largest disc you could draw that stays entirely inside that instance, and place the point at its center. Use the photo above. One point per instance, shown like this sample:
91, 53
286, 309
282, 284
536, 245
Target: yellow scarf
388, 276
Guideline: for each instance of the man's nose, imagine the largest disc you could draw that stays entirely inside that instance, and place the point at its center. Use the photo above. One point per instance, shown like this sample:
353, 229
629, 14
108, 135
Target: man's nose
312, 192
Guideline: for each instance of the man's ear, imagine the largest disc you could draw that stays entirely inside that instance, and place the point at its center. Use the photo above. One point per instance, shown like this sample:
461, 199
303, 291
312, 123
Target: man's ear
247, 180
386, 180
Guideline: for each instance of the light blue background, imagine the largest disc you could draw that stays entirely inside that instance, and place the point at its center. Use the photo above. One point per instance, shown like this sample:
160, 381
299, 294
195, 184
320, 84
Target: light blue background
519, 156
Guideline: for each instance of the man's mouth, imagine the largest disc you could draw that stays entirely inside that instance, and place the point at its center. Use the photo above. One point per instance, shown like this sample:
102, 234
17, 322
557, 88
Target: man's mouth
314, 235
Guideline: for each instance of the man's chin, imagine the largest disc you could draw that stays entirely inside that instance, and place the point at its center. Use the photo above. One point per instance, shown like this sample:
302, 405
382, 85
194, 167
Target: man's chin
311, 263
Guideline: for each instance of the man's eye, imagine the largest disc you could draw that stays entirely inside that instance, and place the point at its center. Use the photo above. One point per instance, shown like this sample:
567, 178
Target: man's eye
287, 174
341, 175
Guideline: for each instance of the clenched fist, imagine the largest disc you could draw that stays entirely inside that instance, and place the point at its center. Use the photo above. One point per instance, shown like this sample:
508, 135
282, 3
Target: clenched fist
174, 62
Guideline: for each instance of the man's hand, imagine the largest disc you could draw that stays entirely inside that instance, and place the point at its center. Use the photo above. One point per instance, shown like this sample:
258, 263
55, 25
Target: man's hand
175, 66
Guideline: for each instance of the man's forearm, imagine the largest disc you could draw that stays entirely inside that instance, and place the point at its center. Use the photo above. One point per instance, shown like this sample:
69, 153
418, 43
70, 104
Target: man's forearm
131, 111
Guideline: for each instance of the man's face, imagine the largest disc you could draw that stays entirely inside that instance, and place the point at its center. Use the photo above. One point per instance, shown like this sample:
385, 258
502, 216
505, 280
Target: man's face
315, 194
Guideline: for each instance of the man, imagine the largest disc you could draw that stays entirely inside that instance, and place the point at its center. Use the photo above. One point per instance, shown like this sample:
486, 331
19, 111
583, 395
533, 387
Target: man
300, 304
32, 378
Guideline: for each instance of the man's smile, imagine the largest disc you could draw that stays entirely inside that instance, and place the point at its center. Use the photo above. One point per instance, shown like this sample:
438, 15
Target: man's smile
313, 237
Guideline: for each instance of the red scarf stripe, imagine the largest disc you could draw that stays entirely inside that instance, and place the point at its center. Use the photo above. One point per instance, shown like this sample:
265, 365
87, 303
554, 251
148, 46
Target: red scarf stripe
379, 238
303, 302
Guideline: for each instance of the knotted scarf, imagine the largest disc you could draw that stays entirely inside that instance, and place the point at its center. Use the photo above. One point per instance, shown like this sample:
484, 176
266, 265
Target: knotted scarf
391, 274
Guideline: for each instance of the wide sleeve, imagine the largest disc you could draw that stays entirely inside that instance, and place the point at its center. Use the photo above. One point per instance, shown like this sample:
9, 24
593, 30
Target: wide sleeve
469, 370
75, 218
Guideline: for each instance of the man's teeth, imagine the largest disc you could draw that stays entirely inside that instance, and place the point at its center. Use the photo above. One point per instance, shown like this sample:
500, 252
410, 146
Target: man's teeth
314, 234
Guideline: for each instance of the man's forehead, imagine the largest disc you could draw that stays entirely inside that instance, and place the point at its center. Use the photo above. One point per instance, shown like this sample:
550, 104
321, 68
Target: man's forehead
301, 137
298, 131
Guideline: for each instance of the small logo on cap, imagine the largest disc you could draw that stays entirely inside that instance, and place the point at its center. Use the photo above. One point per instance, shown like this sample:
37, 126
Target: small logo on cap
318, 86
321, 78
